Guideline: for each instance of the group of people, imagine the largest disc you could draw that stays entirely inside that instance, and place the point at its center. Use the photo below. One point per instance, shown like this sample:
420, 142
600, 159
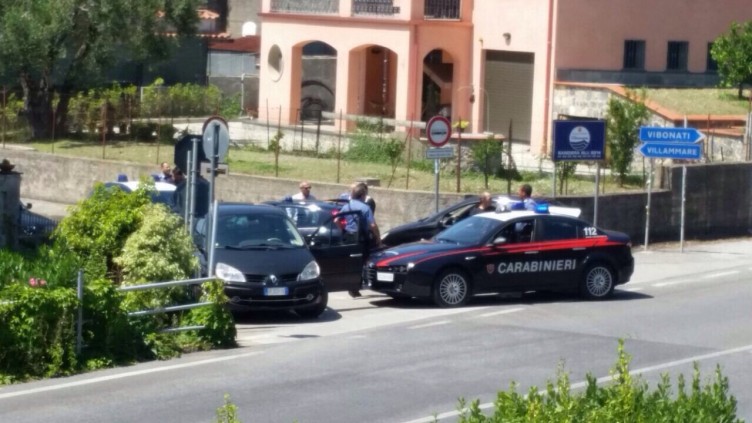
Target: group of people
358, 201
176, 176
526, 201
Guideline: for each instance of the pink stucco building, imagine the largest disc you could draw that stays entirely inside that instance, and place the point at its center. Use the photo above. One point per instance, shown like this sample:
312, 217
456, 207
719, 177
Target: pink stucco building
490, 62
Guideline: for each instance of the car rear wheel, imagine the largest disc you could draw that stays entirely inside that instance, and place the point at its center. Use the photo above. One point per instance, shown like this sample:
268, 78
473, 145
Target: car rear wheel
452, 289
597, 282
314, 311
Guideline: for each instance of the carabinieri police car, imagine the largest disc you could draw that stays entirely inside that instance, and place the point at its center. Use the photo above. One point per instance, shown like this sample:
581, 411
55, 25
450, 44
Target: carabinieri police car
510, 251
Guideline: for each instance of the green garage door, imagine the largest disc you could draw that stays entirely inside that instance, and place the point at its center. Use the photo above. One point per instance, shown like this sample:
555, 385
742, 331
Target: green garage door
509, 83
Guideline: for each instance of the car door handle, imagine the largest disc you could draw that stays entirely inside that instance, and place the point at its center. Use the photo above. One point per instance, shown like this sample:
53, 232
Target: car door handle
356, 255
578, 249
532, 252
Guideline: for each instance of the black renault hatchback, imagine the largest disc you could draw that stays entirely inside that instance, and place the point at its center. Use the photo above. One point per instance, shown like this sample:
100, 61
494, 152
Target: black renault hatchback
267, 264
264, 261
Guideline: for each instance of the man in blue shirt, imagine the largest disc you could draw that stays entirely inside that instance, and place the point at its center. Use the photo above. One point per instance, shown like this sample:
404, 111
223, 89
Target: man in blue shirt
354, 229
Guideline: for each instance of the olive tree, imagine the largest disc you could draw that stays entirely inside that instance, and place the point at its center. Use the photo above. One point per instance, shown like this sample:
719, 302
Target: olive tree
62, 46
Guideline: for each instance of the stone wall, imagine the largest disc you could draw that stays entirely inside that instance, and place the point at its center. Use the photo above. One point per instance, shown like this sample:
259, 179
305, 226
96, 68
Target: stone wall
718, 202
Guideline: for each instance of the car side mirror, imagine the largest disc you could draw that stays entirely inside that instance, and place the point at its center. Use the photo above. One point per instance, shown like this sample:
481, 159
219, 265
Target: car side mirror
447, 221
499, 241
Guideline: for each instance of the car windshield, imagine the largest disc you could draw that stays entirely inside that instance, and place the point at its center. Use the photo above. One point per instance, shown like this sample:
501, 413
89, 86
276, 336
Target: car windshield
307, 216
248, 231
471, 231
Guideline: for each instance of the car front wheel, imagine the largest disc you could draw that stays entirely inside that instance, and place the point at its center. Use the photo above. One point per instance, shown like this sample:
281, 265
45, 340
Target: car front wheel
452, 289
597, 282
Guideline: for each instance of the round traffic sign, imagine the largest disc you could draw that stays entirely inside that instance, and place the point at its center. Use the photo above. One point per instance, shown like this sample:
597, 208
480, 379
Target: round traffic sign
438, 131
216, 125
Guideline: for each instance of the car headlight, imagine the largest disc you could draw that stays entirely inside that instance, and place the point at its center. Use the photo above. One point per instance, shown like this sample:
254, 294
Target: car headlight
311, 271
228, 273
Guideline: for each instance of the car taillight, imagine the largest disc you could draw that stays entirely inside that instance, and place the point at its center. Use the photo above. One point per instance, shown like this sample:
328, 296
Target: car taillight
338, 220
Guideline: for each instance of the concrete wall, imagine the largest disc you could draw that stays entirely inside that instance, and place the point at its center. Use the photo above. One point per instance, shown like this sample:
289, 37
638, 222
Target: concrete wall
718, 201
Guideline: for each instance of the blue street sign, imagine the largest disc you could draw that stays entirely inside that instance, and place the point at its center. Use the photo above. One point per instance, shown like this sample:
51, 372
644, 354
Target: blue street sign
671, 150
579, 140
677, 135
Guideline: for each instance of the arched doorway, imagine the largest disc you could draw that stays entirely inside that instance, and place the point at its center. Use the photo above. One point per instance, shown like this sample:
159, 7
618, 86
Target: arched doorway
318, 80
438, 74
381, 66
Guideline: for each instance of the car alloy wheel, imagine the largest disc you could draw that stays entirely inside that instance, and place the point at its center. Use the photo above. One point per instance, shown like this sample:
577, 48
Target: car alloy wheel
452, 289
598, 281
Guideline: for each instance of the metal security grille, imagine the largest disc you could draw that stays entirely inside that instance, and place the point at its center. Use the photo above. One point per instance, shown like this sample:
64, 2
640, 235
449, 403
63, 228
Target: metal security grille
634, 54
374, 7
677, 55
442, 9
305, 6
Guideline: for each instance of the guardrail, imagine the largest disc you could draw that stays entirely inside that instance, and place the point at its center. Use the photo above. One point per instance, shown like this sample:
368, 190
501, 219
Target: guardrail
147, 312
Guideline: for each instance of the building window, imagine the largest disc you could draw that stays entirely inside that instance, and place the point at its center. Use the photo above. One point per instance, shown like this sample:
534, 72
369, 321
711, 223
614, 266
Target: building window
711, 65
634, 54
676, 59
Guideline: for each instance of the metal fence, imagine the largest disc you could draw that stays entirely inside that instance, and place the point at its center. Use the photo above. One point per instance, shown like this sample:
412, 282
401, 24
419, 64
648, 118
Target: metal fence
147, 312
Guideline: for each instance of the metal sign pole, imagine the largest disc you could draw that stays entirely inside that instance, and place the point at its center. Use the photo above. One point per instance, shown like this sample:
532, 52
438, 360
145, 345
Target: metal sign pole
683, 200
553, 195
436, 182
683, 208
212, 239
192, 182
647, 207
595, 203
214, 160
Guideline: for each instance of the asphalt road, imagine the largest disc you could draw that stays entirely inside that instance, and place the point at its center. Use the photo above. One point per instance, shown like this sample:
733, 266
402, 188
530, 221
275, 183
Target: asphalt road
373, 359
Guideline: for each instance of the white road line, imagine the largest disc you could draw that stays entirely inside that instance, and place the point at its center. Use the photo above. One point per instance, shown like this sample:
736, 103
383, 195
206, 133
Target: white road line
662, 284
123, 375
428, 325
702, 279
500, 312
720, 275
582, 384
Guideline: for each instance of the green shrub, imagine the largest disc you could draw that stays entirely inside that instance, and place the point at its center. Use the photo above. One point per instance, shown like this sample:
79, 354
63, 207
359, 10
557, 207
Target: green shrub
96, 229
625, 399
228, 412
161, 250
219, 326
37, 332
367, 143
110, 337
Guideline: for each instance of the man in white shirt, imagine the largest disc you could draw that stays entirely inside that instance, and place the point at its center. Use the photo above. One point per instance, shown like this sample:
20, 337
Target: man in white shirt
305, 193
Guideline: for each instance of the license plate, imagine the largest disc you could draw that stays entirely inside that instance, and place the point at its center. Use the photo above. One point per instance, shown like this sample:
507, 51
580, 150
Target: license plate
384, 277
275, 292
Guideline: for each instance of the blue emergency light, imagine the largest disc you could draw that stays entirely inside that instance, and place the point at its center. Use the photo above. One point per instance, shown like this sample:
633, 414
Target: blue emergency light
541, 208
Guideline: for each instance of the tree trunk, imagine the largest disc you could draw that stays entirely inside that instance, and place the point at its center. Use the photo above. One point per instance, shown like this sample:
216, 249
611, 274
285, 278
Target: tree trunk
741, 91
61, 113
37, 106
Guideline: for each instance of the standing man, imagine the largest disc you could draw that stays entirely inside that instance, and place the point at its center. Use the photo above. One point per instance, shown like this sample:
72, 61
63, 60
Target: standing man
305, 192
166, 175
355, 225
526, 191
484, 205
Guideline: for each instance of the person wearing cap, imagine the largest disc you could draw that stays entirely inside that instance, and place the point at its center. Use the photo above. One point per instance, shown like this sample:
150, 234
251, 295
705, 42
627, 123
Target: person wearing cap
305, 192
